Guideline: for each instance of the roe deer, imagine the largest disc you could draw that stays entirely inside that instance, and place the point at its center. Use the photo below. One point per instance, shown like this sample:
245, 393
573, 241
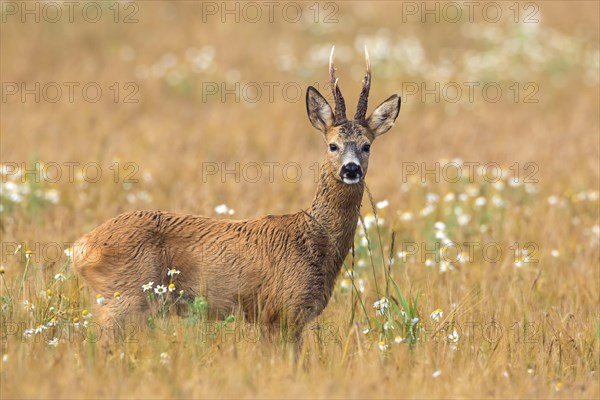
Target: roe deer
274, 268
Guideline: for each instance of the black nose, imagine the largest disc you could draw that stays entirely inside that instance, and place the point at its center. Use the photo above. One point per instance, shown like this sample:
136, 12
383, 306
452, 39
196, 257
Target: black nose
351, 171
351, 168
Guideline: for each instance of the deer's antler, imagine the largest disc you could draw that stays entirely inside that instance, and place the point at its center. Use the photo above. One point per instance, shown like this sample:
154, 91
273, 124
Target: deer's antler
361, 109
340, 105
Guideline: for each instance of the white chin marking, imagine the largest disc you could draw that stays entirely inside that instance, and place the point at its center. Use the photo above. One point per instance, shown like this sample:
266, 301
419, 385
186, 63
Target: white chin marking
351, 181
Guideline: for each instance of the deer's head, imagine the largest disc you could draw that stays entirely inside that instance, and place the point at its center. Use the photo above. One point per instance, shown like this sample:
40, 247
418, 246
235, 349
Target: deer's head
349, 141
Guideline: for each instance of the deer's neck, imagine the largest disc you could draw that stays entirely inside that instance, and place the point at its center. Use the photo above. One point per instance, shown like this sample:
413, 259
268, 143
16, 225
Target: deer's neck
335, 210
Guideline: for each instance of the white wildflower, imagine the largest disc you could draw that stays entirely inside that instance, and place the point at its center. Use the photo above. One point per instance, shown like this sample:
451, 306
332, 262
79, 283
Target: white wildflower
463, 219
381, 305
497, 201
449, 197
432, 197
406, 216
454, 337
463, 258
361, 285
440, 235
427, 210
52, 196
345, 283
40, 328
514, 182
164, 358
437, 315
147, 286
498, 185
222, 209
100, 299
440, 226
471, 190
480, 201
382, 204
364, 242
552, 200
369, 220
445, 266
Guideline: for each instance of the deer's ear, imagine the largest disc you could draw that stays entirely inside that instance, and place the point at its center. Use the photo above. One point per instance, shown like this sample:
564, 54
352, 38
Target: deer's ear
384, 116
319, 111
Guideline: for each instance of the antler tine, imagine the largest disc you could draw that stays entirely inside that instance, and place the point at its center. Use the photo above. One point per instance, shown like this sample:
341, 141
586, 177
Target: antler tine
332, 79
361, 109
340, 104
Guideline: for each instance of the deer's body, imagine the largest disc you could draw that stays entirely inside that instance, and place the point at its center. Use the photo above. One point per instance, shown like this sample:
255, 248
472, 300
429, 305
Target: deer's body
275, 268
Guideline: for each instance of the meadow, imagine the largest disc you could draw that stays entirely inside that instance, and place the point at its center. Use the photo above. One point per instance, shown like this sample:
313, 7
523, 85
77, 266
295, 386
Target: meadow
475, 270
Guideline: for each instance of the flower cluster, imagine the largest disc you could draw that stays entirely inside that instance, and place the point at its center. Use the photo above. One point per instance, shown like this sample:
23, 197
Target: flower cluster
381, 305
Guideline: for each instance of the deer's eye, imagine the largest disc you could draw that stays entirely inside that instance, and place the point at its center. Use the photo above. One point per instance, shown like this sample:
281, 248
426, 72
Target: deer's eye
366, 148
333, 147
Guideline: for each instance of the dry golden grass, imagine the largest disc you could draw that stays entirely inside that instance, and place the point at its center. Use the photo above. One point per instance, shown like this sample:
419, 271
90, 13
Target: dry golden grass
547, 310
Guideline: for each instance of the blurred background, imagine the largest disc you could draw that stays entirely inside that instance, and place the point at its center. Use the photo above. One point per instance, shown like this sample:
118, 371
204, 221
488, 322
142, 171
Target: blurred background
187, 83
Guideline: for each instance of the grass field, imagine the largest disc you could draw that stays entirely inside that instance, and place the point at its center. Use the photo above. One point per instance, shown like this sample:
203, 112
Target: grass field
475, 270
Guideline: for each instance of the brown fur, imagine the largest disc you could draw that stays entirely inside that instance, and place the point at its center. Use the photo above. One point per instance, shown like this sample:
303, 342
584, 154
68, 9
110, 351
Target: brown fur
271, 268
